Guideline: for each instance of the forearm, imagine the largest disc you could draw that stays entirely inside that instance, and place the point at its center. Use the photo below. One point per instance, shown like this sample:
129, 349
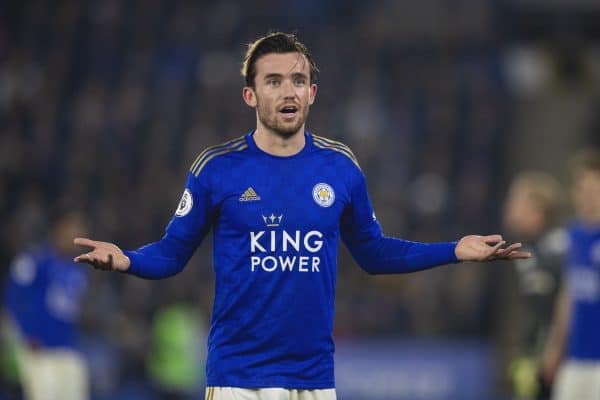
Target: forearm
557, 336
161, 259
387, 255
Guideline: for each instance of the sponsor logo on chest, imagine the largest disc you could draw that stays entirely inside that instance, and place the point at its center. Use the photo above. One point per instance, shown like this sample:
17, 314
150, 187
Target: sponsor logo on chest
275, 248
282, 250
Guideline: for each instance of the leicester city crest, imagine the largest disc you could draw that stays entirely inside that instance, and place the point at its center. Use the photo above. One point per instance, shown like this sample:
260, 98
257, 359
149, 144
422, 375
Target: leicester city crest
323, 194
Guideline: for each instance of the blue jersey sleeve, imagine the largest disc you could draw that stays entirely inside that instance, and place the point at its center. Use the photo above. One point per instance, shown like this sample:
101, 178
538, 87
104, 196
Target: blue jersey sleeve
23, 287
378, 254
189, 225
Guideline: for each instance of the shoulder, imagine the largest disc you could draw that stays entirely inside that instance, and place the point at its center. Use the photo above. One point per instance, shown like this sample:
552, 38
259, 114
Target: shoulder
24, 267
212, 153
578, 230
334, 147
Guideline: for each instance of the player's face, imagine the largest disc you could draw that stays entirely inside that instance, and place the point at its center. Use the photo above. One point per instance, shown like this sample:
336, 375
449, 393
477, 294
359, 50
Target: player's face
282, 93
586, 195
69, 226
522, 215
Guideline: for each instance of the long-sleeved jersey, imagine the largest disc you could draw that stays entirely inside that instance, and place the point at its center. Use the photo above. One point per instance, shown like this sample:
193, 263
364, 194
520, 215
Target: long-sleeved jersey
43, 296
583, 280
276, 223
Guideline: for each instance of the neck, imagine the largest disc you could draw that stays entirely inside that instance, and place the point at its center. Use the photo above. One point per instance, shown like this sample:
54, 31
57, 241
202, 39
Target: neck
277, 145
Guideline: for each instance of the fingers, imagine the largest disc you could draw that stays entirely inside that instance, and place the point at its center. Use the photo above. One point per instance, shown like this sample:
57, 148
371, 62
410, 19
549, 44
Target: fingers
511, 253
515, 246
491, 239
82, 258
516, 255
98, 261
85, 242
492, 251
99, 264
504, 252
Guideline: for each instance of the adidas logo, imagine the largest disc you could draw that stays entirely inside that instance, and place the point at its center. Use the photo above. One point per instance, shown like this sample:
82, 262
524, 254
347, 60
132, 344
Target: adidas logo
249, 195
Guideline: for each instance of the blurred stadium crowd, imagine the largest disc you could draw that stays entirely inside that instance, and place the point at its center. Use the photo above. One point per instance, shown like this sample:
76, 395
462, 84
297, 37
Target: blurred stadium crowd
105, 104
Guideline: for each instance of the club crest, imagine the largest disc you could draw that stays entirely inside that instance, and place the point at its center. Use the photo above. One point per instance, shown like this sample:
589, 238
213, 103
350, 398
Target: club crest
323, 194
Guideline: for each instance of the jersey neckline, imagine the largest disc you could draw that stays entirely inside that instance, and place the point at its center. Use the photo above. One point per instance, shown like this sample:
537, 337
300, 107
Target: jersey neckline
307, 145
588, 228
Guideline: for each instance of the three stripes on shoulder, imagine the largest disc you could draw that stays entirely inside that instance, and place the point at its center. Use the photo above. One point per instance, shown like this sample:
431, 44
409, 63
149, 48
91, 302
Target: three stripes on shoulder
237, 144
240, 144
324, 143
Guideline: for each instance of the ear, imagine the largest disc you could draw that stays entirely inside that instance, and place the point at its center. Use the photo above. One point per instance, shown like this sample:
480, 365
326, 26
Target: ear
249, 96
313, 94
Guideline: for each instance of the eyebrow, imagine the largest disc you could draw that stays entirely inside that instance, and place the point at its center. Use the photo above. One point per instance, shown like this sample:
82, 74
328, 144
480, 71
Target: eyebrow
299, 75
269, 76
294, 75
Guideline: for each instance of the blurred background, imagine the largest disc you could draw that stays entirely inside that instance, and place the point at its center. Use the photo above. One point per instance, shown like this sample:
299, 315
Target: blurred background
105, 104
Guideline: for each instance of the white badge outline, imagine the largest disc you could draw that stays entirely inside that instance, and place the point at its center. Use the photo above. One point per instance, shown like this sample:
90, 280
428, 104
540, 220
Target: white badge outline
185, 204
317, 198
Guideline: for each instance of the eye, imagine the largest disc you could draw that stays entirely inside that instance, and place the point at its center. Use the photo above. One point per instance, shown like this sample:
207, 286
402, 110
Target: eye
299, 81
273, 82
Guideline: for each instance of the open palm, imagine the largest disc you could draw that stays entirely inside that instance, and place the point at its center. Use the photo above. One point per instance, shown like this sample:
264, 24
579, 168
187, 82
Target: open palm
487, 248
103, 255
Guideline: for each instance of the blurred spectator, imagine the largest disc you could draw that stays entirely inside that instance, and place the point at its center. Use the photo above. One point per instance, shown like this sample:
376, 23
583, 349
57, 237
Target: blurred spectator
573, 343
43, 297
530, 213
176, 362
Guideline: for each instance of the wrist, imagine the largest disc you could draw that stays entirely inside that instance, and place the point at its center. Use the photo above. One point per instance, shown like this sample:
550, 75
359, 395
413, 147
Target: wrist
131, 263
456, 253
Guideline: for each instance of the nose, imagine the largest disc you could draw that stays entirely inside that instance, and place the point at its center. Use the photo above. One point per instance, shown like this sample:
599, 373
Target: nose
288, 90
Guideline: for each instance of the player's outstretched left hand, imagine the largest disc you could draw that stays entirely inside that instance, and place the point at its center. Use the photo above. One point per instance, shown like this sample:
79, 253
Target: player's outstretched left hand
487, 248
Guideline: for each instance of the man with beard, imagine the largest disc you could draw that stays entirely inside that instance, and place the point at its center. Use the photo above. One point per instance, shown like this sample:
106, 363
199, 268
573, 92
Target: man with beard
277, 200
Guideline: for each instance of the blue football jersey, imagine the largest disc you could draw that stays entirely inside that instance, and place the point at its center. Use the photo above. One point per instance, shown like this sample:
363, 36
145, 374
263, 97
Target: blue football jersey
276, 224
43, 296
583, 279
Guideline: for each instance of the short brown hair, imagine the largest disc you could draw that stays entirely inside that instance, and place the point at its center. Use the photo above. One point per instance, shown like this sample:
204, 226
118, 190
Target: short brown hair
275, 42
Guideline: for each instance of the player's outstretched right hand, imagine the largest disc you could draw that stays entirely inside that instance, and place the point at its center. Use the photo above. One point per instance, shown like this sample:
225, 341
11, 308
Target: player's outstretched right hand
104, 255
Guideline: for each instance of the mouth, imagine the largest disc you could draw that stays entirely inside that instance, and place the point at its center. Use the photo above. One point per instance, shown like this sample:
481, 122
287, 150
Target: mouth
289, 111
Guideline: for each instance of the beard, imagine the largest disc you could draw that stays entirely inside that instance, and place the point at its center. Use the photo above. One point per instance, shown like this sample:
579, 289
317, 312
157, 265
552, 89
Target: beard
271, 119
